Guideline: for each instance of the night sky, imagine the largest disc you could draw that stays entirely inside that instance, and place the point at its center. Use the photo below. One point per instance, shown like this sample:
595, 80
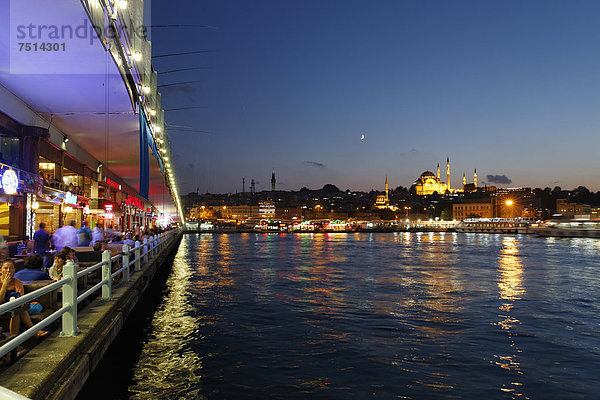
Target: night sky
511, 88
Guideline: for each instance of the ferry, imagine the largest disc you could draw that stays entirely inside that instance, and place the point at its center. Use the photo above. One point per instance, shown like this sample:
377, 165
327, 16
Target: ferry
569, 226
495, 225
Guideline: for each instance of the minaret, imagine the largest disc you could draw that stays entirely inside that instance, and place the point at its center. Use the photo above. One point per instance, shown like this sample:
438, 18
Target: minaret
448, 173
273, 181
386, 190
464, 180
438, 175
475, 178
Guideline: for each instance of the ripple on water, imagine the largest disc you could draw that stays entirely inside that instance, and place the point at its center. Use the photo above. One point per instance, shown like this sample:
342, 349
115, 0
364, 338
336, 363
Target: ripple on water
375, 315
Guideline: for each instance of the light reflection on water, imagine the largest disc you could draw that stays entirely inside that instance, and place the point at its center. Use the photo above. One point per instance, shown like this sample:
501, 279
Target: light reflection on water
167, 363
407, 315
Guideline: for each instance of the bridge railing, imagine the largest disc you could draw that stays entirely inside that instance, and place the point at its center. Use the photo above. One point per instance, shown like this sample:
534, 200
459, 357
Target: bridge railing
143, 253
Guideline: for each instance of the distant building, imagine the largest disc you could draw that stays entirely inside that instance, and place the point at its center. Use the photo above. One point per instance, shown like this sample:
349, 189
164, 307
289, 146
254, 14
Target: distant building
266, 210
564, 207
428, 183
480, 209
288, 214
383, 201
273, 181
240, 212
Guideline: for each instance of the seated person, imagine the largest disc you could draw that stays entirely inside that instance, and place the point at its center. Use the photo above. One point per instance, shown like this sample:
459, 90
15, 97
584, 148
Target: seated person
33, 270
21, 247
11, 288
70, 254
56, 271
117, 240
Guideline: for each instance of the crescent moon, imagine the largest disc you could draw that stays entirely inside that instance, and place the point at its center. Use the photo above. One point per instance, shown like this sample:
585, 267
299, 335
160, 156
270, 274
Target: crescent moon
362, 137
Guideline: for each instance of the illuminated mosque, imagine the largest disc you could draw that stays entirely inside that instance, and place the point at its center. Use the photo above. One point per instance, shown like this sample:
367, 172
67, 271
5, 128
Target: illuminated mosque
383, 201
428, 183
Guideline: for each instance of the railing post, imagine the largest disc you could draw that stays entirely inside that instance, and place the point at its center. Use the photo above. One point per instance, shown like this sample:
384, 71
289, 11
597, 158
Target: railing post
145, 250
151, 250
155, 247
106, 272
136, 252
125, 262
69, 319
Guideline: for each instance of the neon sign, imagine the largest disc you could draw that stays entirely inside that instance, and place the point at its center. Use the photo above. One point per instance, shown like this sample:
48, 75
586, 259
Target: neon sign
111, 183
134, 201
108, 211
10, 181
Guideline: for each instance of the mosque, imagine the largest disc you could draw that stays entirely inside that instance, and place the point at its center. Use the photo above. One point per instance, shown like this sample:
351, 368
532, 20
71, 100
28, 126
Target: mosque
428, 183
383, 201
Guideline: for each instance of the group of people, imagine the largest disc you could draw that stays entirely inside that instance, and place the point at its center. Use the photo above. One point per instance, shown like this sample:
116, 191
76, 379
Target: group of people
67, 236
37, 267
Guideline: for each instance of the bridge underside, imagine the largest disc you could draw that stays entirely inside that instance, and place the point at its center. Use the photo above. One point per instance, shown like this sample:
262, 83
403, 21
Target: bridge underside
81, 92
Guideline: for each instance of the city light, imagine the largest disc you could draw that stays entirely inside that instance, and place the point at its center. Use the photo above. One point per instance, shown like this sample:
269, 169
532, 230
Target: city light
509, 202
137, 56
122, 4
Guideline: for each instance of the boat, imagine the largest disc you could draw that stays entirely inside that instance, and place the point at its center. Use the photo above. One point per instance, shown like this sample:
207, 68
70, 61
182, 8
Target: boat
569, 226
495, 225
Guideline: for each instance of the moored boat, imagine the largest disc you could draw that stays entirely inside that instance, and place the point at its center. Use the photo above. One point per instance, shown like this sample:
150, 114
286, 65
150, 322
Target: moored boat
495, 225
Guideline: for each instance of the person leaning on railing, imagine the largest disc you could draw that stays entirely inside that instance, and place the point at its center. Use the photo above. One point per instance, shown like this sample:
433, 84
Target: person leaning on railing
12, 288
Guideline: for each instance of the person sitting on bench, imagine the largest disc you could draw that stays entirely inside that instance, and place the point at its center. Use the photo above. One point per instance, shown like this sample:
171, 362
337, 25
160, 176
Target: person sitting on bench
12, 288
33, 270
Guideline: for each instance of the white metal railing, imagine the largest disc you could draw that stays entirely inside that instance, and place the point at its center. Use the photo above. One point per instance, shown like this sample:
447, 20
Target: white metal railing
143, 252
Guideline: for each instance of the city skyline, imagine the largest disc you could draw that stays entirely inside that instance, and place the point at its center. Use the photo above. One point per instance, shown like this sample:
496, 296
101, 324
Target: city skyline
508, 88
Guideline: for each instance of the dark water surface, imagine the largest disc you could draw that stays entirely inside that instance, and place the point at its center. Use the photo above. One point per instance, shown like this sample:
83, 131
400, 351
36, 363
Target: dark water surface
406, 315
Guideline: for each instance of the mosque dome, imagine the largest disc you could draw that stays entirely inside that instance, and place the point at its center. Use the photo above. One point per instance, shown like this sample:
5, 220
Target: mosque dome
427, 174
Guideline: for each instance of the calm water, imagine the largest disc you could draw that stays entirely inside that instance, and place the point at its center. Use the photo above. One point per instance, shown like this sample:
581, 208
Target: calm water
338, 316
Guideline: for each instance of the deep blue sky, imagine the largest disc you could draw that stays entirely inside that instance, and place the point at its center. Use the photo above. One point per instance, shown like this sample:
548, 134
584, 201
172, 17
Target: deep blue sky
508, 87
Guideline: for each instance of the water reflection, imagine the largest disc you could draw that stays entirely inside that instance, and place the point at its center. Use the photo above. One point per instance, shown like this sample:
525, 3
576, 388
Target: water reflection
167, 364
510, 289
373, 316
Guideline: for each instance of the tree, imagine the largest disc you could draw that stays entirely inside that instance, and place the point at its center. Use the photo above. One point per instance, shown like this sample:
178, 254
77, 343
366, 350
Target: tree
446, 214
329, 188
386, 214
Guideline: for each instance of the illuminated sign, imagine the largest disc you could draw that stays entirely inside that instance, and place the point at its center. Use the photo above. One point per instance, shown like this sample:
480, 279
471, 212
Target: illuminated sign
112, 184
134, 201
10, 182
108, 211
70, 198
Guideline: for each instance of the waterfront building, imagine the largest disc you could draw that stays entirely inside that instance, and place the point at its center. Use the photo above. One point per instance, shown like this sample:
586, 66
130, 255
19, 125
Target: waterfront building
240, 212
266, 210
474, 209
288, 214
564, 207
